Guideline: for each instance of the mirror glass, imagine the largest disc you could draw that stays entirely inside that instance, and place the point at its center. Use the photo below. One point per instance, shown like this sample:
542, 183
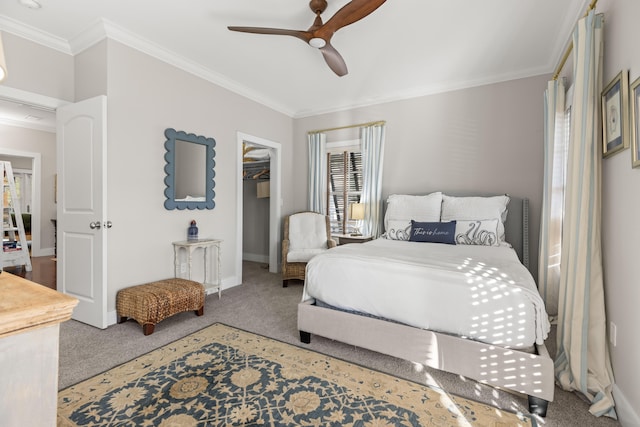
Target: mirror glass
190, 171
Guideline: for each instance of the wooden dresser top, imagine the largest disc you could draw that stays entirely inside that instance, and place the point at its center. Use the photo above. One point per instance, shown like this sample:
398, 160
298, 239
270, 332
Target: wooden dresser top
25, 305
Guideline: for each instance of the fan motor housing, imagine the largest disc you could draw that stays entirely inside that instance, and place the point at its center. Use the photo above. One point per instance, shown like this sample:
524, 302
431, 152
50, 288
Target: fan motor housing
318, 6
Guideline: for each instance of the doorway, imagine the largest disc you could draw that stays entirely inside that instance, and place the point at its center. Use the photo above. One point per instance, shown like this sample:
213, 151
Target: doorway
275, 204
16, 103
31, 161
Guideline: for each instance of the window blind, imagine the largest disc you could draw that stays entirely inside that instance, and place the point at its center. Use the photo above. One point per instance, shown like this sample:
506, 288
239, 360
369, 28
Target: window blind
344, 186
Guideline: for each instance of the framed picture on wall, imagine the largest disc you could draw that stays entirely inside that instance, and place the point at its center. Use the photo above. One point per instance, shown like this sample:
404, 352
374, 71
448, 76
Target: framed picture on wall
615, 115
635, 123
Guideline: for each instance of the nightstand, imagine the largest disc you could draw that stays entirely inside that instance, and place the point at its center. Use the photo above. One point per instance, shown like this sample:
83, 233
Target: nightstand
343, 239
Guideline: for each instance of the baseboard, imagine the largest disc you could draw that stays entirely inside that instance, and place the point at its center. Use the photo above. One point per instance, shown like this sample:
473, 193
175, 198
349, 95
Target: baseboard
112, 318
42, 252
255, 257
627, 416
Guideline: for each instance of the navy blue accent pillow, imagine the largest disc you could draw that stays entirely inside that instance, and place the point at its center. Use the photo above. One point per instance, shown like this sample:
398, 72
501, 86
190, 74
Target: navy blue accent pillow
433, 232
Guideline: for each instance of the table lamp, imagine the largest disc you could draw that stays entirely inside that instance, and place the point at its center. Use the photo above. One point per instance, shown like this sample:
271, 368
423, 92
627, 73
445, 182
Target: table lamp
356, 211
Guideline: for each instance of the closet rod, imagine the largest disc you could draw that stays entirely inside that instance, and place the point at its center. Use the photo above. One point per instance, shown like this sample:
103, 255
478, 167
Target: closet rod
381, 122
570, 47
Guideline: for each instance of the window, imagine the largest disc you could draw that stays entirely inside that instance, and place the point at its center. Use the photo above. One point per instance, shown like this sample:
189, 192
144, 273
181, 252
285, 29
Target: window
348, 172
344, 184
559, 183
23, 179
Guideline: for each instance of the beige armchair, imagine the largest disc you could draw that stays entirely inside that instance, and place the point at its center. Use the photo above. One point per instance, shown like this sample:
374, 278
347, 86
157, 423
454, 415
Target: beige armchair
306, 234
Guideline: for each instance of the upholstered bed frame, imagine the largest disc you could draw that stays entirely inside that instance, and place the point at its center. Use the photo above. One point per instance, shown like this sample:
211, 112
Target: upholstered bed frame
520, 371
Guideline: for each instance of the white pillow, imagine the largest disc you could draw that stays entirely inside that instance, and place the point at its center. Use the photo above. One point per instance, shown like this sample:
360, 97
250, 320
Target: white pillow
401, 209
476, 209
307, 230
484, 233
398, 230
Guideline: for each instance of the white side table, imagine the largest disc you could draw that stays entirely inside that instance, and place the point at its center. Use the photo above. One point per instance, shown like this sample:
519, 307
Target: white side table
210, 284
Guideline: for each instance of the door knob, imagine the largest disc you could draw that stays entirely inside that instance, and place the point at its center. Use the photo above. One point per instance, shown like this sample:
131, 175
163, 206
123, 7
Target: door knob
108, 224
94, 225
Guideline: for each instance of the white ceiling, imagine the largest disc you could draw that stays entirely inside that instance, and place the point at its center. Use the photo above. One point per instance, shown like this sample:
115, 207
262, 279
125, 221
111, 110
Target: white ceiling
406, 48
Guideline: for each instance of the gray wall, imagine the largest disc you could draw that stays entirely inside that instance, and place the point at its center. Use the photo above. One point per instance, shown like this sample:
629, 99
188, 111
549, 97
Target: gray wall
620, 213
255, 223
38, 69
485, 139
144, 100
16, 162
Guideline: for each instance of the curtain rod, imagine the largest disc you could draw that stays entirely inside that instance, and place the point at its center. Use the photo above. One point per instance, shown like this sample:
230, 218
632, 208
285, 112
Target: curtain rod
380, 122
570, 47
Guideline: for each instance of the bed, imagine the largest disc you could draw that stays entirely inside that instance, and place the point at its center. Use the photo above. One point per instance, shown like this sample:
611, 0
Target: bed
440, 255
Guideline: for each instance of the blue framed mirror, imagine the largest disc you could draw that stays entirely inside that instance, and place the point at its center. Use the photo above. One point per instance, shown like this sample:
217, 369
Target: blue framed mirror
190, 169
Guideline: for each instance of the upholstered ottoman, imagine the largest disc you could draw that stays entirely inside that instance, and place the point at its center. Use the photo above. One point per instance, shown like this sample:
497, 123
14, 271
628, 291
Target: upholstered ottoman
150, 303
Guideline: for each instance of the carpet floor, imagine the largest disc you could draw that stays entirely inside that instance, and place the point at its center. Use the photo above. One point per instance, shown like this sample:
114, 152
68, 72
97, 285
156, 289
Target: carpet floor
222, 376
262, 306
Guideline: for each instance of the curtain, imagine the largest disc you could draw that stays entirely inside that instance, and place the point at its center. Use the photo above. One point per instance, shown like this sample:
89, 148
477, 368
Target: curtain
24, 180
552, 196
582, 362
317, 172
372, 140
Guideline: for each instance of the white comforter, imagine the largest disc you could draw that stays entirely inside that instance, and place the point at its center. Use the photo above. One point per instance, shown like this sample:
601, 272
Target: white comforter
483, 293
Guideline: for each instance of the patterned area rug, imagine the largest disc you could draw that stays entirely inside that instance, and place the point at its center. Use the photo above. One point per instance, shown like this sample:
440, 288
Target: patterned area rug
223, 376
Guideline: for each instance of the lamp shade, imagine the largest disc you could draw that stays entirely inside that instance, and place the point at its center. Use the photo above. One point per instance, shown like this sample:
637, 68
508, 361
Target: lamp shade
356, 211
3, 63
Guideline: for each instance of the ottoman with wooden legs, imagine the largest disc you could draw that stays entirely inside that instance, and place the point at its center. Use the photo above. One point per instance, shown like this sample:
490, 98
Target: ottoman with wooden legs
150, 303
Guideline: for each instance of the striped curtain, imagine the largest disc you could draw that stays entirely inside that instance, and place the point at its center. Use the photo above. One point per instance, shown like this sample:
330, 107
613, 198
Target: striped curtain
552, 196
317, 172
582, 362
372, 139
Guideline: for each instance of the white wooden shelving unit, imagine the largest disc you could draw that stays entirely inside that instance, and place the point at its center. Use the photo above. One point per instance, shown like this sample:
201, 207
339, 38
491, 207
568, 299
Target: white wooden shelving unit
15, 248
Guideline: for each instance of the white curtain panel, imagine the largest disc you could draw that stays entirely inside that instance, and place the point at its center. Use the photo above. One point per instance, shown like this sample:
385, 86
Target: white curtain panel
582, 362
317, 172
372, 139
25, 189
552, 197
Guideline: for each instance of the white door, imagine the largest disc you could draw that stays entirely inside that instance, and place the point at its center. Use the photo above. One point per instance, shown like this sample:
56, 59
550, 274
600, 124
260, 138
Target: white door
81, 219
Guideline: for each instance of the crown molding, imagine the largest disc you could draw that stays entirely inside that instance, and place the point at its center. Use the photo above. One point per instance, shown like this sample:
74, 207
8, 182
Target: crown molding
429, 90
105, 29
33, 34
94, 34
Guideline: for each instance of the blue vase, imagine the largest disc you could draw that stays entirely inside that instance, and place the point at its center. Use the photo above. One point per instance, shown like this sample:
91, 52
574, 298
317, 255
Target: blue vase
192, 232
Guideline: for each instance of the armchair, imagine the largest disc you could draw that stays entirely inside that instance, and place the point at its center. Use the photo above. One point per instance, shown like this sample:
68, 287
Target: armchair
306, 234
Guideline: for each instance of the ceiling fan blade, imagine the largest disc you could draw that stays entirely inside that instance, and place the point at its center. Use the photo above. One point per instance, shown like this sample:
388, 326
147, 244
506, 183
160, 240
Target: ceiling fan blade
334, 60
302, 35
352, 12
319, 34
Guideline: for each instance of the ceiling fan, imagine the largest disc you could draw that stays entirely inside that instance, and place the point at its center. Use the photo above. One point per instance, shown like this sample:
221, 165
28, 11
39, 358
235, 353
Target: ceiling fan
319, 34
